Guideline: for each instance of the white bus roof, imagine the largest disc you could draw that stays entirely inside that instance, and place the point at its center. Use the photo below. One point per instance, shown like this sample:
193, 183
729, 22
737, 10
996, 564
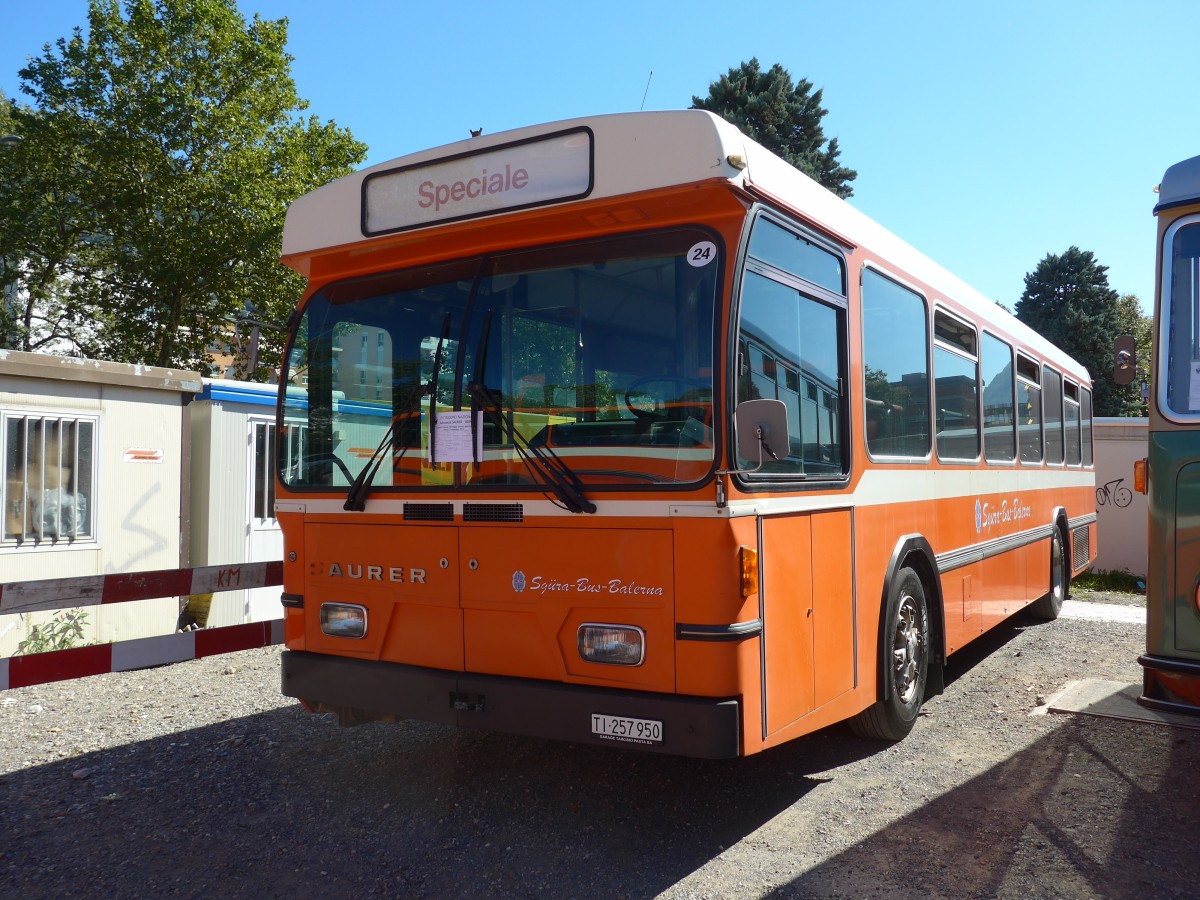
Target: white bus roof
1181, 184
649, 150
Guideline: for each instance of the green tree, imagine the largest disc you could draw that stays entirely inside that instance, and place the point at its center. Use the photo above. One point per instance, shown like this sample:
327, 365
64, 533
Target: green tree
173, 134
43, 254
783, 117
1067, 300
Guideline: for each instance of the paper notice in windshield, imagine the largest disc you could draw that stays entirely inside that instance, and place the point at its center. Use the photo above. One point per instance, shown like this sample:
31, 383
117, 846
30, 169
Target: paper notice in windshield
452, 437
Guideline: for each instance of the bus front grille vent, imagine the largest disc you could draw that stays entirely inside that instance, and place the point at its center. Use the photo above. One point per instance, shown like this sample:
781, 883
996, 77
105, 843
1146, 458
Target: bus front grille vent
493, 512
428, 512
1081, 542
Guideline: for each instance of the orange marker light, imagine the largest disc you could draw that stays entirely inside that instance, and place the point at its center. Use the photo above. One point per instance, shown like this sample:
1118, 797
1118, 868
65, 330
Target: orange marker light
749, 562
1139, 476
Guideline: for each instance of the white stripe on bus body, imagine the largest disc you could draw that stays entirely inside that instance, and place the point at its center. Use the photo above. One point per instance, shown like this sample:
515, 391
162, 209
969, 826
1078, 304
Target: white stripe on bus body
877, 487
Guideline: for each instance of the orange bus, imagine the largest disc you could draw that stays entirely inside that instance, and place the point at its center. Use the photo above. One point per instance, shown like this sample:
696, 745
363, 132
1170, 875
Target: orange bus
621, 430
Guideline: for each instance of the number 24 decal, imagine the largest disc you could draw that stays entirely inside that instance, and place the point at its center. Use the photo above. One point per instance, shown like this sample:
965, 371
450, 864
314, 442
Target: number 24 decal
702, 254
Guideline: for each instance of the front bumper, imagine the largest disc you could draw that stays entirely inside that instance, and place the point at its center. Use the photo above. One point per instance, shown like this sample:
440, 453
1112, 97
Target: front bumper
365, 690
1170, 685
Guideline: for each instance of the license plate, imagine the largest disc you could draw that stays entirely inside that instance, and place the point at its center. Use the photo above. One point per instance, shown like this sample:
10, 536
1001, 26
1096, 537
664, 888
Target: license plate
623, 728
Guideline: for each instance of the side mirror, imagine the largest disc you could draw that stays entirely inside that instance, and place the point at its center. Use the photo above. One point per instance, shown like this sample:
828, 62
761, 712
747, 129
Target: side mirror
1124, 359
762, 430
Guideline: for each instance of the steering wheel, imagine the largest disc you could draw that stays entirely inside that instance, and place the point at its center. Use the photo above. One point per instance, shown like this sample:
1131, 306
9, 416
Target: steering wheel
651, 404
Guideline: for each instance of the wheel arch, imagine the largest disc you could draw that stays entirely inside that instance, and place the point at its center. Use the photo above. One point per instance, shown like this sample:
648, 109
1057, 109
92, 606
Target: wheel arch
912, 551
1062, 523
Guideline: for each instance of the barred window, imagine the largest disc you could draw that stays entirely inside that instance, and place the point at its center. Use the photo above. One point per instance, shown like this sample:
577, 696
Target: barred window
49, 477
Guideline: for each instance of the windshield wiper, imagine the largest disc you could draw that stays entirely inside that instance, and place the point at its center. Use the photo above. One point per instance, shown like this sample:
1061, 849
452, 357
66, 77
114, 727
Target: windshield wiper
542, 462
356, 496
550, 470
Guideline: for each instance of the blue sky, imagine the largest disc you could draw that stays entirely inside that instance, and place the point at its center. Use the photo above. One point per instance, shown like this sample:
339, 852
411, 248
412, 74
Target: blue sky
985, 135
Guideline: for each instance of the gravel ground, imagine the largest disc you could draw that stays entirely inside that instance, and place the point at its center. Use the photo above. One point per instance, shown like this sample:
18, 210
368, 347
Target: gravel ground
201, 780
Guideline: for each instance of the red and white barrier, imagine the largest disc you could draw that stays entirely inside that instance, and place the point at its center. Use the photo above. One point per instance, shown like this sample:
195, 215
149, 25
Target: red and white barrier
139, 653
93, 590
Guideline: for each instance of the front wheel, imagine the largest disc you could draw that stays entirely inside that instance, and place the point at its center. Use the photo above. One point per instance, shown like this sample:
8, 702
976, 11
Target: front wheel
904, 663
1049, 606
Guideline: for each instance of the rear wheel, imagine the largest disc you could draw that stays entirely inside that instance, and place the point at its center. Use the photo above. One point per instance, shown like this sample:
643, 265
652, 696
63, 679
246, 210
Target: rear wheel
1049, 606
904, 663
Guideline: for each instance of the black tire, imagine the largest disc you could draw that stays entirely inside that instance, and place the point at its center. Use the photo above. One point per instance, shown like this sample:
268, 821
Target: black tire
1048, 607
904, 663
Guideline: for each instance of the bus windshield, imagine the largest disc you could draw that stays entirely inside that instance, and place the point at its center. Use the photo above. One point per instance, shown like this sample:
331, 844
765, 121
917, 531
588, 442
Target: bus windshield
598, 353
1182, 342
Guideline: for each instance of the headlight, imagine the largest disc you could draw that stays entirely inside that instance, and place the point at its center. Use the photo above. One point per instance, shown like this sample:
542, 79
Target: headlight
614, 645
344, 620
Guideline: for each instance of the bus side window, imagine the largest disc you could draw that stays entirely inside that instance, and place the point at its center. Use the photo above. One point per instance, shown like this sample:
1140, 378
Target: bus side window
956, 387
789, 350
1085, 413
1071, 419
1052, 405
895, 367
999, 441
1029, 410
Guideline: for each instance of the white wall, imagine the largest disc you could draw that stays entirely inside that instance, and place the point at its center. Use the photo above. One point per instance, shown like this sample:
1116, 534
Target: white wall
219, 500
1122, 529
221, 466
138, 506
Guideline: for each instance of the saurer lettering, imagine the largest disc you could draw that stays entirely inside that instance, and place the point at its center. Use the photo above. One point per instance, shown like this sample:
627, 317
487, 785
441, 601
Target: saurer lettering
356, 571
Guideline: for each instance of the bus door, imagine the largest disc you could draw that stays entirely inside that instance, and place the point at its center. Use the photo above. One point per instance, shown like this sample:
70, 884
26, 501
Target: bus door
1187, 560
807, 609
792, 348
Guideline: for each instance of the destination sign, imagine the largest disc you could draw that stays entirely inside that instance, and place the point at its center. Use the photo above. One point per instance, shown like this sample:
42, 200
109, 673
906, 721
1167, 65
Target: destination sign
544, 170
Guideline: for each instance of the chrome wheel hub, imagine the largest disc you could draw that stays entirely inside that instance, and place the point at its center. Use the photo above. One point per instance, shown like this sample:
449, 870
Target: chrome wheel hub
908, 648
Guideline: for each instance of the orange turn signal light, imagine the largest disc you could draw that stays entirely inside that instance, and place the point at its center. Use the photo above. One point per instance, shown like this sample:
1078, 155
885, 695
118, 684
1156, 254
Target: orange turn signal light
748, 559
1139, 475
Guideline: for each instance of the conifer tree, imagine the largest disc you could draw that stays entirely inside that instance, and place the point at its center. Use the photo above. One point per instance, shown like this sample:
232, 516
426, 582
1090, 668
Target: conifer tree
783, 117
1067, 300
